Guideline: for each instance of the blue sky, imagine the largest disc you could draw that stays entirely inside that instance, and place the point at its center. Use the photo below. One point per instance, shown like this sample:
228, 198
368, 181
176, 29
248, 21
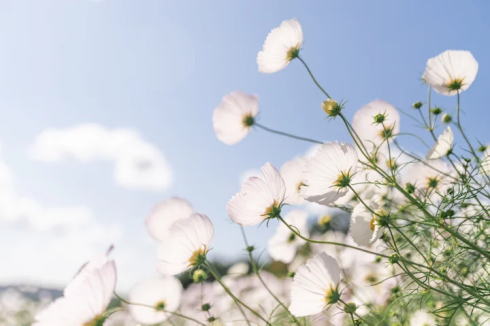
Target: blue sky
160, 67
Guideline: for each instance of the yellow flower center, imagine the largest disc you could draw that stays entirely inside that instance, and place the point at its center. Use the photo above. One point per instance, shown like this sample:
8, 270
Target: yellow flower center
372, 223
273, 210
343, 180
331, 296
324, 220
299, 185
96, 321
198, 256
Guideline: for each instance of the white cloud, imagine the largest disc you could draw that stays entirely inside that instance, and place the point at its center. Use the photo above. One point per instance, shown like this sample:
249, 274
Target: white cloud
42, 243
138, 164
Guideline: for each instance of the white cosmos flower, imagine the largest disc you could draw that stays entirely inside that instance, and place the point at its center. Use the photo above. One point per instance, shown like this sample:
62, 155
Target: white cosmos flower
314, 285
260, 197
284, 243
443, 145
292, 174
375, 123
165, 214
234, 116
187, 244
422, 318
451, 71
280, 47
86, 297
328, 172
428, 178
364, 226
163, 294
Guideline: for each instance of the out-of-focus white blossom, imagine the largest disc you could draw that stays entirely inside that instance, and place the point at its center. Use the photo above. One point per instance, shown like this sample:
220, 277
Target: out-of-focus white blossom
443, 145
187, 244
315, 285
422, 318
85, 298
165, 214
292, 173
376, 123
364, 226
234, 116
283, 244
154, 299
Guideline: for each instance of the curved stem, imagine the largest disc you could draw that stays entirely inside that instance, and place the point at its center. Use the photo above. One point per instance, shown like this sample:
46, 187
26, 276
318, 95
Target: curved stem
282, 133
160, 310
234, 297
313, 77
257, 272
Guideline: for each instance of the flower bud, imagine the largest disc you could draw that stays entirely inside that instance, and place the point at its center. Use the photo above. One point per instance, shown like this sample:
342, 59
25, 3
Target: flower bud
436, 111
199, 276
331, 107
446, 118
417, 105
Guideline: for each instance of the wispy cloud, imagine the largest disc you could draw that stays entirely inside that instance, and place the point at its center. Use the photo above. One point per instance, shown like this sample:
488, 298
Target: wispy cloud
138, 164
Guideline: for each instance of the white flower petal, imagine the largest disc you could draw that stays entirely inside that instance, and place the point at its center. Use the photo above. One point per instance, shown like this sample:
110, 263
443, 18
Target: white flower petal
443, 145
362, 228
292, 173
283, 244
165, 214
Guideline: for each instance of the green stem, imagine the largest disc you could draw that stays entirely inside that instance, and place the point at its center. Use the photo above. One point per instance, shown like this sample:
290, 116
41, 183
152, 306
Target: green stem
313, 77
257, 272
210, 268
282, 133
159, 310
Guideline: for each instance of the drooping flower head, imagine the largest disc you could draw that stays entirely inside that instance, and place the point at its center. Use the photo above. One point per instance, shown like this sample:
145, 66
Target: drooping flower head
260, 198
365, 225
165, 214
154, 299
281, 46
292, 174
284, 243
234, 116
86, 297
187, 244
451, 72
376, 123
314, 286
329, 172
443, 145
